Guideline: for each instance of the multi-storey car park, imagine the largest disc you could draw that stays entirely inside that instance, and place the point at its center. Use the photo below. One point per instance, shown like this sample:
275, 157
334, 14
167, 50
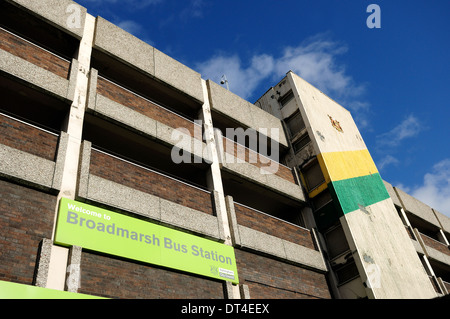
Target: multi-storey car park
119, 180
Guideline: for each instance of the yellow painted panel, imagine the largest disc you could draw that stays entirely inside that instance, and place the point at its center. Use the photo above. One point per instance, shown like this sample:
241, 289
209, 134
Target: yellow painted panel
316, 191
338, 166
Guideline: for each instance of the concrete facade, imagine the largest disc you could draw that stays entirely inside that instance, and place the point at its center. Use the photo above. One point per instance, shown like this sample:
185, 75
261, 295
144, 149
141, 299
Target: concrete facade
101, 118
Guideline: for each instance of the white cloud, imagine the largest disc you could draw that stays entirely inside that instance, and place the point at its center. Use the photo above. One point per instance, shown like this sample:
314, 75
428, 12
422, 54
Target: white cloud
408, 128
315, 60
435, 190
242, 80
387, 160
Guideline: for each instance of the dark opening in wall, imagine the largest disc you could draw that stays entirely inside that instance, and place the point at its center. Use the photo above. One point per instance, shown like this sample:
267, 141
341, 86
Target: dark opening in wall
262, 199
34, 29
144, 85
35, 107
141, 150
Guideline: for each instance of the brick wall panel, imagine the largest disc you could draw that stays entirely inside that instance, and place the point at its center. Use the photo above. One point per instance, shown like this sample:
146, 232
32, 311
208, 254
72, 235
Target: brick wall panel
33, 54
145, 107
130, 175
272, 226
115, 278
26, 217
430, 242
255, 159
27, 138
272, 279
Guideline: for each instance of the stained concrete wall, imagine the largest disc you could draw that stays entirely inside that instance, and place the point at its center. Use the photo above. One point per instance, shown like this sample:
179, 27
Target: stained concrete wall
386, 258
315, 108
387, 261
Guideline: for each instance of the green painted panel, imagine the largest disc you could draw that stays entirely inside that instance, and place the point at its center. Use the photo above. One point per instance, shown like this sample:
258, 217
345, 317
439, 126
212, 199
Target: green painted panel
364, 190
10, 290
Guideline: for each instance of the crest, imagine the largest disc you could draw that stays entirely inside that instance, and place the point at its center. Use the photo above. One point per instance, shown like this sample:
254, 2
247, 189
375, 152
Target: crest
336, 124
213, 269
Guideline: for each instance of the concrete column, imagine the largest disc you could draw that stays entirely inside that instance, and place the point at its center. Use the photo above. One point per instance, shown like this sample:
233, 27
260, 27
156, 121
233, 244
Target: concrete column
43, 263
420, 240
431, 273
406, 222
73, 272
76, 115
215, 180
442, 237
245, 292
74, 128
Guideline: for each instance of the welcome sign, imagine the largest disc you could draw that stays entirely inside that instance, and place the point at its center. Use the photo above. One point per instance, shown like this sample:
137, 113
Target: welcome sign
108, 232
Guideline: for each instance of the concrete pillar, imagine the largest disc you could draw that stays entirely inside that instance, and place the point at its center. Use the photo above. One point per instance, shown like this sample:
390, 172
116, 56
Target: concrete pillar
73, 272
74, 126
215, 181
442, 237
45, 251
76, 115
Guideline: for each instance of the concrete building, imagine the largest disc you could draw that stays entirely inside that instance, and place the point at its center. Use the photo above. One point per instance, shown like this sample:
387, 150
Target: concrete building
124, 174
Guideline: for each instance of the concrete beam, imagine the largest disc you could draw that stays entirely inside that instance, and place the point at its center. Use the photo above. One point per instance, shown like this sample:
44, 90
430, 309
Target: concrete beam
444, 221
34, 75
115, 41
106, 192
144, 124
437, 255
26, 167
246, 113
246, 237
416, 207
178, 75
253, 174
392, 193
280, 248
67, 15
73, 272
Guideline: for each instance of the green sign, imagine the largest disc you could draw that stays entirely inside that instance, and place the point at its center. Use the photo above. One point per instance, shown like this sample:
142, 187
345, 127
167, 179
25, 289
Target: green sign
11, 290
108, 232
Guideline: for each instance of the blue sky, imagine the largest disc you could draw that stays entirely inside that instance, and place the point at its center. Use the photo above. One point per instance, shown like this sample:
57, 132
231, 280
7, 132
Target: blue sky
395, 79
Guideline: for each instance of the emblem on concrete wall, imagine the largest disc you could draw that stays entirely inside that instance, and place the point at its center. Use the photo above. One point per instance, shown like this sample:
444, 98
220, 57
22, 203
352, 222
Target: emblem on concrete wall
336, 124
